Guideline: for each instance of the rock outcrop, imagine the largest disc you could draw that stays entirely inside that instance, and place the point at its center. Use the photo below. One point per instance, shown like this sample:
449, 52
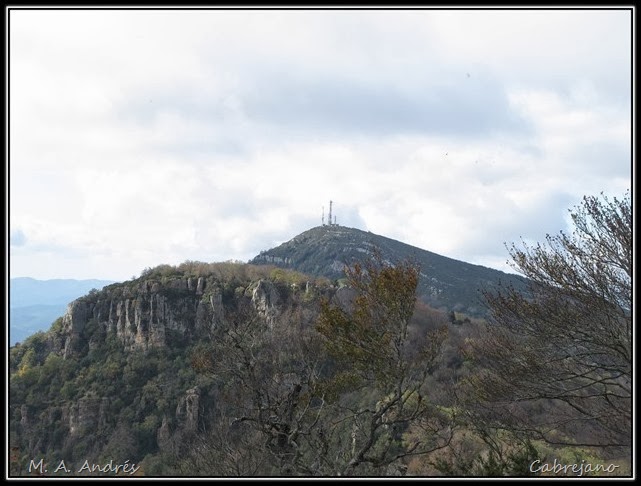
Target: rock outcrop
266, 301
118, 365
148, 314
85, 415
188, 410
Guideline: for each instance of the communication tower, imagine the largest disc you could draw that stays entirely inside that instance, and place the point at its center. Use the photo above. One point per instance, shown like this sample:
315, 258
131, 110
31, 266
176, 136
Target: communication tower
330, 221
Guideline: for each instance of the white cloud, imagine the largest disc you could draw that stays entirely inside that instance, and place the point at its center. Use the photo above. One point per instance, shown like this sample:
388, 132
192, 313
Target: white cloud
148, 137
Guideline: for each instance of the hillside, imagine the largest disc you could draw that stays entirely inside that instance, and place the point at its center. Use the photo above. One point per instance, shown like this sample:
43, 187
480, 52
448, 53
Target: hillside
225, 370
113, 378
35, 304
445, 283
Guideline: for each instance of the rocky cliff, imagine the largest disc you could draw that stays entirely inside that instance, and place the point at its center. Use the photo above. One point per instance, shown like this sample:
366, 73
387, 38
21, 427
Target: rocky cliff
113, 375
148, 313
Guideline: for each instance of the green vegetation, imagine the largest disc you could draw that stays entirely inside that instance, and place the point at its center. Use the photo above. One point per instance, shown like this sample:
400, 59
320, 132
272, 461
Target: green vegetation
444, 283
231, 369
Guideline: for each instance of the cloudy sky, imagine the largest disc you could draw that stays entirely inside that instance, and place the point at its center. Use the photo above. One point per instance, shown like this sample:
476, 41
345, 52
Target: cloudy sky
141, 137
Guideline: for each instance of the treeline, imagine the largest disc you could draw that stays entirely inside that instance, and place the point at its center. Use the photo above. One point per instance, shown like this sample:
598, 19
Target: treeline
321, 379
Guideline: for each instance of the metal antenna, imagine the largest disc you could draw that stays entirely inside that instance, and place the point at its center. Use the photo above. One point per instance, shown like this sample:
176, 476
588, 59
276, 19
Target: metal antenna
323, 217
330, 213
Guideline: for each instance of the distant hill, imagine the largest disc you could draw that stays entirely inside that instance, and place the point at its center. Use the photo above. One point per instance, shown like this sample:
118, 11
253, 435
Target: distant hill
35, 304
114, 377
445, 283
202, 369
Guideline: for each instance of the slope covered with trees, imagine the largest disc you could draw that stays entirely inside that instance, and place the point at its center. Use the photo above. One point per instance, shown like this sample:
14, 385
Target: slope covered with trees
243, 370
567, 345
444, 283
219, 369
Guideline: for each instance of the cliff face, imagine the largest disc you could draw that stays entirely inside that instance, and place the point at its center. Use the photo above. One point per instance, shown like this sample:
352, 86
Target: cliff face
86, 415
145, 314
113, 375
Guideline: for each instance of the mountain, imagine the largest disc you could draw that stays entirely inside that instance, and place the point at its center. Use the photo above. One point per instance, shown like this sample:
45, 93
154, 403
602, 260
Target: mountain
218, 369
35, 304
445, 283
114, 380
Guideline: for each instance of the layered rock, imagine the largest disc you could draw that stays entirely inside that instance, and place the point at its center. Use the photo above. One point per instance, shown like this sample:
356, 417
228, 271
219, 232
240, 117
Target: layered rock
107, 336
266, 300
188, 410
145, 315
87, 414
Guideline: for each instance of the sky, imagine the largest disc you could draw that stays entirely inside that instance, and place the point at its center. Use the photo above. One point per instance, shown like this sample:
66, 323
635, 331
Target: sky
147, 137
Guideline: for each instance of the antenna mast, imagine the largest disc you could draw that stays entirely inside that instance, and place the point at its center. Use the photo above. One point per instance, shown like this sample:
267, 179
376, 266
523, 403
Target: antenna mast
323, 217
330, 213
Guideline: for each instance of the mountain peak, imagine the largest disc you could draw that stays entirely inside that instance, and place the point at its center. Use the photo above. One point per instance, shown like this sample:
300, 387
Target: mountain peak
445, 282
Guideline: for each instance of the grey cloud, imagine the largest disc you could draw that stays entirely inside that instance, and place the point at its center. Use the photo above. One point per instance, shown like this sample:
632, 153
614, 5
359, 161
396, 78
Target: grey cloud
224, 135
237, 203
490, 233
602, 159
349, 216
307, 105
144, 106
469, 107
192, 148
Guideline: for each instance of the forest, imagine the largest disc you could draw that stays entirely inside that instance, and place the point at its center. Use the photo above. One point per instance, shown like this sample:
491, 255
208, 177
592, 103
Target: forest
242, 370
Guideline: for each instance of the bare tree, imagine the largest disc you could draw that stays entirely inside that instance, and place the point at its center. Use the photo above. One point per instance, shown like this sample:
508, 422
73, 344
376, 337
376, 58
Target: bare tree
344, 397
556, 360
267, 403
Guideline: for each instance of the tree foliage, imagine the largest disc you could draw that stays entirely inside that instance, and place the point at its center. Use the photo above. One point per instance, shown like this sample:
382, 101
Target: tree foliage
346, 396
557, 359
369, 339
